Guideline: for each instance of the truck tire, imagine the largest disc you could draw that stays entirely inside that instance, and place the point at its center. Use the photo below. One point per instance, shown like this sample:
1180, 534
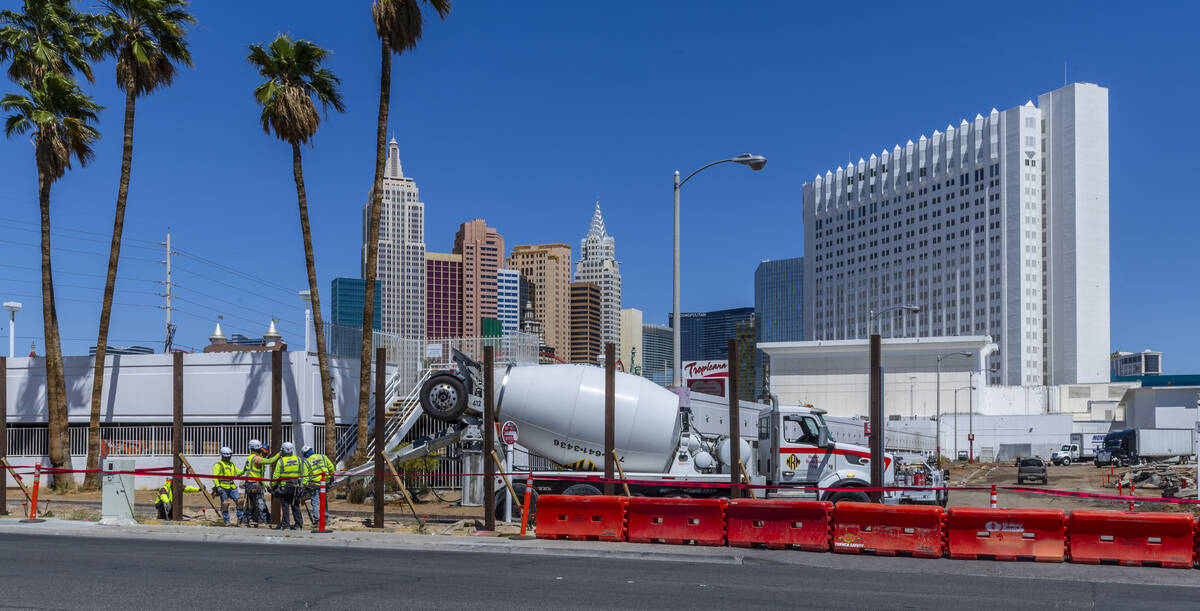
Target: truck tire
582, 490
519, 488
1066, 462
444, 397
857, 497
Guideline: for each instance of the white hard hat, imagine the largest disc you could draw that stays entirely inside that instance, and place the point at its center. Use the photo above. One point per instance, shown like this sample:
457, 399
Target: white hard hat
287, 447
225, 451
305, 449
255, 444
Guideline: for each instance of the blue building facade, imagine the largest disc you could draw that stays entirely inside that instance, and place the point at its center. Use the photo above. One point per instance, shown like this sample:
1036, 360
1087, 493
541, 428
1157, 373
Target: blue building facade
778, 309
705, 335
656, 354
346, 303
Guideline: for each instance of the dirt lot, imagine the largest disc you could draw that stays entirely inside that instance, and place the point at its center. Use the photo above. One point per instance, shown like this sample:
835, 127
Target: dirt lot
1077, 478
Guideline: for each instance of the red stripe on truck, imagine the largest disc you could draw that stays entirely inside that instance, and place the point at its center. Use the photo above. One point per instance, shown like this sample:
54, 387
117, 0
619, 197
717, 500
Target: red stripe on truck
886, 461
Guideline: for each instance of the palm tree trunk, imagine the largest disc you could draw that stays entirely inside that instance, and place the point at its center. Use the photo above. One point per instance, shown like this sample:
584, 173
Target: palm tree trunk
91, 481
59, 443
318, 324
372, 262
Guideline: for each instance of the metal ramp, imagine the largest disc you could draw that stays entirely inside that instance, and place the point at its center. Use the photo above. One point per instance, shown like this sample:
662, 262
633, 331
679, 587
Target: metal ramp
403, 414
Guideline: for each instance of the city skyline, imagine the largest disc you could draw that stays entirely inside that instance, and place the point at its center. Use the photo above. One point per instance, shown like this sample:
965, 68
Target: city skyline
240, 199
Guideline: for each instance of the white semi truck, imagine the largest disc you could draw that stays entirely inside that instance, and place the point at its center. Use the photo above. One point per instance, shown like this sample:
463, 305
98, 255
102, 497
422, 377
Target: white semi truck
670, 443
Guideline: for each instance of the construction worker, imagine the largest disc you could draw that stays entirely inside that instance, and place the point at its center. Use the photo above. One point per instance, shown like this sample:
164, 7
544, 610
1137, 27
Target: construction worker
166, 494
319, 467
286, 484
256, 503
227, 488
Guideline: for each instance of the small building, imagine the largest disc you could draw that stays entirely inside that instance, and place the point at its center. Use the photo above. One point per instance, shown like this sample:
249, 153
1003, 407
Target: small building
1161, 407
1144, 363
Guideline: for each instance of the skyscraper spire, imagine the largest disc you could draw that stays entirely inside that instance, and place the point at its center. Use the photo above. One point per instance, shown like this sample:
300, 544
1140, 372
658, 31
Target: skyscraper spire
597, 229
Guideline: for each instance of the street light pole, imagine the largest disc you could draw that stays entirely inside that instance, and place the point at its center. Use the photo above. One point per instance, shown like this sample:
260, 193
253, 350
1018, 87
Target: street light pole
875, 396
13, 307
938, 397
306, 297
754, 162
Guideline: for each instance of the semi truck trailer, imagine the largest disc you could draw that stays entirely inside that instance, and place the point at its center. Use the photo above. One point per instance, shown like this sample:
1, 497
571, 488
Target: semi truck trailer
1133, 446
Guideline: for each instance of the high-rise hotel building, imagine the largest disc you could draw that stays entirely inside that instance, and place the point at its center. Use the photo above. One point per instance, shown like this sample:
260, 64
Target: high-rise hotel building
598, 265
401, 271
998, 227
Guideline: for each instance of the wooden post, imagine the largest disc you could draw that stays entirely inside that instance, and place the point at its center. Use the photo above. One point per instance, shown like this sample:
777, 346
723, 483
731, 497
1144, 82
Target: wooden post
621, 470
380, 425
177, 436
610, 403
404, 493
3, 434
875, 417
276, 420
187, 466
489, 441
735, 428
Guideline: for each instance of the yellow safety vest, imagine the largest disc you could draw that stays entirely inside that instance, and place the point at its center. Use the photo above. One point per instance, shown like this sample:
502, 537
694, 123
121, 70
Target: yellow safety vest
166, 493
226, 469
288, 468
318, 465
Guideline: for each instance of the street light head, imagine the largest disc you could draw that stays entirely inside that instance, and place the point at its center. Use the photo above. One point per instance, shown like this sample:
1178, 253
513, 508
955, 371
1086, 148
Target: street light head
912, 308
12, 306
756, 162
306, 295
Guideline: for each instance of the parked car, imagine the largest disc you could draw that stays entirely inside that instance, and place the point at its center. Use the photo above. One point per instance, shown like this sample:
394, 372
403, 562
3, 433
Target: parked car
1031, 469
963, 455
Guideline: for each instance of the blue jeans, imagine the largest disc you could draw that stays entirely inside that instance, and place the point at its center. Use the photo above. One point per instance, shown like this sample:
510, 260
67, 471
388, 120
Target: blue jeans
227, 495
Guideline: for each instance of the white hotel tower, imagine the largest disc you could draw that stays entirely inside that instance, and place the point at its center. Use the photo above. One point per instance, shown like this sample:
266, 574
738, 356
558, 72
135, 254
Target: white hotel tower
998, 227
401, 271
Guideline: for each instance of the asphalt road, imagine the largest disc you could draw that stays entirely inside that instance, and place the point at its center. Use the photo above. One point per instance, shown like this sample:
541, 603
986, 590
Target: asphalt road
59, 572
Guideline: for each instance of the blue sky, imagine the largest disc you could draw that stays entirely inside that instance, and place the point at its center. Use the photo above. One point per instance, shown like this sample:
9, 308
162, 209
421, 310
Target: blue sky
525, 113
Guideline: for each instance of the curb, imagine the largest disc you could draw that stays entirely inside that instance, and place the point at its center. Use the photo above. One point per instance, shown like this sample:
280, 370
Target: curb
367, 540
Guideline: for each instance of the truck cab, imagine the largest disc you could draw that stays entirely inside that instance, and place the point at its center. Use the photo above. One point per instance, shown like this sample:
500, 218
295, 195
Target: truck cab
1066, 455
795, 450
1117, 450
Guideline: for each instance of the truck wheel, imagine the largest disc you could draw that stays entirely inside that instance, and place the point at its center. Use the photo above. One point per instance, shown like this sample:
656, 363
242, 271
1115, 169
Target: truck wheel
1066, 462
582, 490
519, 488
857, 497
444, 397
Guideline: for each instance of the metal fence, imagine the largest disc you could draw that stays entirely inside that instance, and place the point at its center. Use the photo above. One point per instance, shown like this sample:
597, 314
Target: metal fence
155, 439
414, 356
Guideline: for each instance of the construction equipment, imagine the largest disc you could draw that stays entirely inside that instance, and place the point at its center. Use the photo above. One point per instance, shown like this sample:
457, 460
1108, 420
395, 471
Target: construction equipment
664, 440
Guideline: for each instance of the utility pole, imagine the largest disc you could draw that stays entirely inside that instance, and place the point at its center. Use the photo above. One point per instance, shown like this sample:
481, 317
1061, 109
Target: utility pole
169, 339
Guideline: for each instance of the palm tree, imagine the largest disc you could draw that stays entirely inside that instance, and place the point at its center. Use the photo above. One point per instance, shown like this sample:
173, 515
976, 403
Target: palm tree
48, 36
295, 81
60, 117
146, 37
398, 25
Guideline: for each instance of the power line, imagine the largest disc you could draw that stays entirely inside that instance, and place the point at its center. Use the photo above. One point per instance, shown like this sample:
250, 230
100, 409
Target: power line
82, 252
237, 272
234, 287
206, 318
91, 275
61, 228
60, 233
232, 303
93, 301
249, 320
58, 285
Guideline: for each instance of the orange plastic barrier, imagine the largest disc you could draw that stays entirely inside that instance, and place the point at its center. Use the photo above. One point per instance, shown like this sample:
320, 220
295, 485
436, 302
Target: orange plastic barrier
677, 521
779, 524
581, 518
1006, 534
1131, 539
888, 530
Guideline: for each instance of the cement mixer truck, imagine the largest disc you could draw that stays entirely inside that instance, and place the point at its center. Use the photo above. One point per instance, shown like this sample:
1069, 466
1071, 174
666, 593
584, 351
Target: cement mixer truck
668, 442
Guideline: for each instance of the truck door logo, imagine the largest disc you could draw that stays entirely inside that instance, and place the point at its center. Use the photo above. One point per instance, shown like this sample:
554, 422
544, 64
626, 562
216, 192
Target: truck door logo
793, 461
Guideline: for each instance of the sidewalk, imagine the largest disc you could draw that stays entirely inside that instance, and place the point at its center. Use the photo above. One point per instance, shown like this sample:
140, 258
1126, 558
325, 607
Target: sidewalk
638, 551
